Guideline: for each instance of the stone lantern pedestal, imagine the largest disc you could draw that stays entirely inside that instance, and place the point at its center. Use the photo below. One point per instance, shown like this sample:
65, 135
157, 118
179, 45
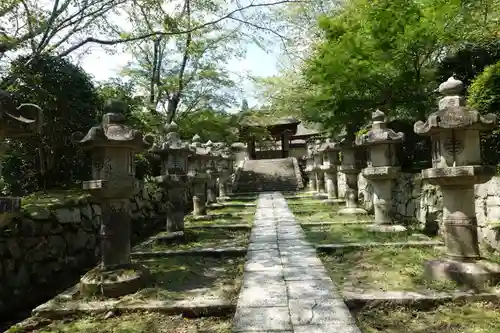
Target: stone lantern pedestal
16, 122
381, 170
225, 167
310, 174
319, 173
212, 173
456, 159
198, 177
329, 167
113, 145
352, 159
173, 153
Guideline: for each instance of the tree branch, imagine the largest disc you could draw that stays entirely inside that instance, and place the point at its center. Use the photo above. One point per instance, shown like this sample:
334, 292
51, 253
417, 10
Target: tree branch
163, 33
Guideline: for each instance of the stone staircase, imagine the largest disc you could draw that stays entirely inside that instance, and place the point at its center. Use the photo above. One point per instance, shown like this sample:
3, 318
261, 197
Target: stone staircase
269, 175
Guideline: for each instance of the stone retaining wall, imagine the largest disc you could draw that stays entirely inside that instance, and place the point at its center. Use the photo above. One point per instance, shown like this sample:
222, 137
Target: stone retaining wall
417, 200
54, 243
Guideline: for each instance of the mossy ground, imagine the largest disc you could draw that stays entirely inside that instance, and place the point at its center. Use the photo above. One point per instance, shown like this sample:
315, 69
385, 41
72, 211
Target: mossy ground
481, 317
149, 322
184, 278
308, 211
384, 268
231, 210
196, 239
346, 233
187, 278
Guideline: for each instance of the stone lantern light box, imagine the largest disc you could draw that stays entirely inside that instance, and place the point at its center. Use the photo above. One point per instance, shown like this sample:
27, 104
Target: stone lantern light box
456, 167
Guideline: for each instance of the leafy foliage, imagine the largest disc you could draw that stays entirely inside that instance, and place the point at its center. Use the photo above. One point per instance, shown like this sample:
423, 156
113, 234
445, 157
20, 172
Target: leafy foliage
484, 95
384, 54
70, 103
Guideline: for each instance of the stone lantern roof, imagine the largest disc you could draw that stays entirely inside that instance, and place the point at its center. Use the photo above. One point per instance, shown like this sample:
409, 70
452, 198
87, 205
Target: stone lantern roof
453, 113
379, 133
172, 142
330, 145
113, 132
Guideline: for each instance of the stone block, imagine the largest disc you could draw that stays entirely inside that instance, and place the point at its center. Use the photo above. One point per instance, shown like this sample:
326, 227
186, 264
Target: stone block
261, 319
300, 273
270, 264
270, 293
301, 260
312, 290
328, 313
263, 254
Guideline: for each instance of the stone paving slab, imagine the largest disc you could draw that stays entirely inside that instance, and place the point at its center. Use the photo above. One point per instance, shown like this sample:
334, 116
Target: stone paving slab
285, 286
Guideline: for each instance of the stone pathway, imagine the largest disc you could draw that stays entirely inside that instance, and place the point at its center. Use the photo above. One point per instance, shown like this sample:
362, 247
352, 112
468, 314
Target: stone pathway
285, 286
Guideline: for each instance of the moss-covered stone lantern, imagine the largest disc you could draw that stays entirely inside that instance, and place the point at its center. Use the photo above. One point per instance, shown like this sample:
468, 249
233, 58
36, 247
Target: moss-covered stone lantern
330, 164
198, 176
225, 168
456, 167
16, 122
318, 171
381, 170
352, 161
212, 173
309, 170
173, 153
113, 146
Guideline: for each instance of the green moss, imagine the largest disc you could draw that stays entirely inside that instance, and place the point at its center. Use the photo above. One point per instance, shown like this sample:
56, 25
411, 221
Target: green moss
384, 268
197, 239
345, 233
150, 322
185, 277
56, 198
479, 317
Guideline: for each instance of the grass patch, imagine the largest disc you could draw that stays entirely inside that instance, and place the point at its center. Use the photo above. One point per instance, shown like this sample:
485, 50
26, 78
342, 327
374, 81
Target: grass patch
183, 278
241, 219
197, 239
384, 268
450, 318
342, 233
326, 214
231, 210
149, 322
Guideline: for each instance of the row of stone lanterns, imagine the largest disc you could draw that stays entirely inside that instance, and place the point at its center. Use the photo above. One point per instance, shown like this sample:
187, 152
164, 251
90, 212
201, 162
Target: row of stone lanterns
456, 167
113, 146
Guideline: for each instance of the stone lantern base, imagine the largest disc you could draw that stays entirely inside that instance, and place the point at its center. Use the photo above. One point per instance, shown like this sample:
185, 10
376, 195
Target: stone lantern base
116, 282
477, 275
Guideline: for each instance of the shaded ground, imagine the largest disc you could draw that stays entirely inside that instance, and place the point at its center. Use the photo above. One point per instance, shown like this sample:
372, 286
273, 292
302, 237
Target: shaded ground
184, 278
196, 239
235, 219
384, 268
137, 323
231, 210
341, 233
450, 318
307, 211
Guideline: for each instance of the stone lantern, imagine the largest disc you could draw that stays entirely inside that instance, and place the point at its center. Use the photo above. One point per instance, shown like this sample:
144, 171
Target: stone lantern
456, 167
225, 170
197, 175
113, 146
16, 122
381, 169
318, 171
173, 153
212, 174
329, 167
309, 170
352, 160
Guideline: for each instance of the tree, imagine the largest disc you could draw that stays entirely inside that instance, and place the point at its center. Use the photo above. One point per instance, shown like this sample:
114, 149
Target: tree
183, 73
383, 54
70, 103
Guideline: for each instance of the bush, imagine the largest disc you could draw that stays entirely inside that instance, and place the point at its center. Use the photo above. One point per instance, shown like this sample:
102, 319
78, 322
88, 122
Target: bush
484, 95
70, 103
